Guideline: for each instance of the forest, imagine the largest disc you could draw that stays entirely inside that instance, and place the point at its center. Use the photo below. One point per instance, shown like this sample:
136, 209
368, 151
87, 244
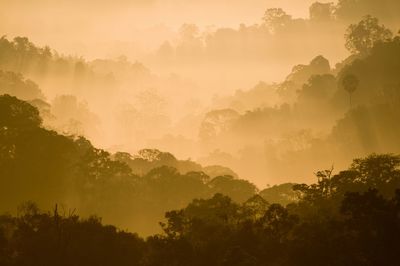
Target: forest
153, 135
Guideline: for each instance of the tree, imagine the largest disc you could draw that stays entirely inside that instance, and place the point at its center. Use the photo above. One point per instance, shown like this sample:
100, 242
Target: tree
191, 42
318, 90
380, 171
276, 18
282, 194
39, 238
237, 189
361, 37
321, 11
15, 85
18, 114
374, 223
350, 84
255, 207
216, 122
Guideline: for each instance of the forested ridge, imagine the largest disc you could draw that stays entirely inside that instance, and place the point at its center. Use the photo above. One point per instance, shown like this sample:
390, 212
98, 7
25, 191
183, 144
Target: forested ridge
108, 162
351, 217
69, 170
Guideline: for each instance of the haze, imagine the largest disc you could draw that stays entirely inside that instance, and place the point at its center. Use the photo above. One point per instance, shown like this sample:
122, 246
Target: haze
235, 95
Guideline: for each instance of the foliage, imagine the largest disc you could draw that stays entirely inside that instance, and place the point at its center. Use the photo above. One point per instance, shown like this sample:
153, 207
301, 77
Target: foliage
361, 37
44, 166
38, 238
276, 19
340, 220
14, 84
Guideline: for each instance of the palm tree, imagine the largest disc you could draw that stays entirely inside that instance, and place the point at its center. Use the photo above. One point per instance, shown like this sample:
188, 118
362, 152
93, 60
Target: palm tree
350, 84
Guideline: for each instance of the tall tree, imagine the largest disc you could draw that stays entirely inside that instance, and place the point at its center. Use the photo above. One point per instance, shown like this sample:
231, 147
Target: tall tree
276, 18
361, 37
350, 84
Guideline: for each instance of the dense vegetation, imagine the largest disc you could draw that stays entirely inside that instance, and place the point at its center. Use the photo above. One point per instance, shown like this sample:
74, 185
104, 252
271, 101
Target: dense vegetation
66, 200
69, 170
351, 218
326, 114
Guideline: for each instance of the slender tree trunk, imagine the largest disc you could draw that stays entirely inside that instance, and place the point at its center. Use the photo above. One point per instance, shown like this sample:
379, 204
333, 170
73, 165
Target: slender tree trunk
350, 94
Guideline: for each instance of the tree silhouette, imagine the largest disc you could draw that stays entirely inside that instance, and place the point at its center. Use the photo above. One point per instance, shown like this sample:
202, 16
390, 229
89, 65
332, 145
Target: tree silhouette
276, 18
350, 84
361, 37
321, 11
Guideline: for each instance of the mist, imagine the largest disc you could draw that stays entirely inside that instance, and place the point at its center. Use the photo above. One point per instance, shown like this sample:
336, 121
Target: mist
150, 112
